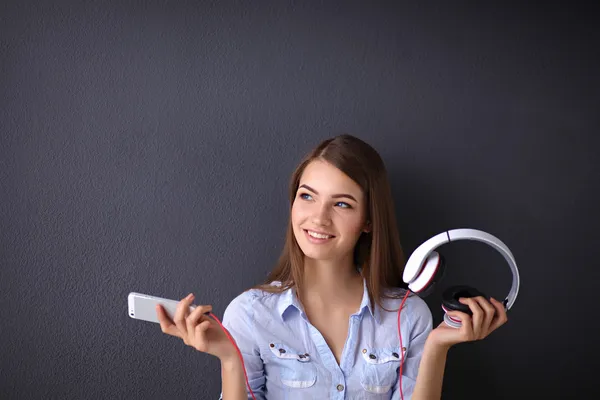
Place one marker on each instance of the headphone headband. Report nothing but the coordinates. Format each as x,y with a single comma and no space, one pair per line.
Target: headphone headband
415,262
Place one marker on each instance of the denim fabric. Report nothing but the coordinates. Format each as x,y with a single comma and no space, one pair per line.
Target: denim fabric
287,358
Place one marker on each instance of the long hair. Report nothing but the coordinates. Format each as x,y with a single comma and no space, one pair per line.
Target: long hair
378,253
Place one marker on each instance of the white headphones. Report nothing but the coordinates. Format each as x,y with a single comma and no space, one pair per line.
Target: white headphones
425,267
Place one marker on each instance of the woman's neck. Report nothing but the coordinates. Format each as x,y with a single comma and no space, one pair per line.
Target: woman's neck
331,283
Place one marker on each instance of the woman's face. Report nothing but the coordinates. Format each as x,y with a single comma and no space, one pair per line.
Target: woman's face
328,213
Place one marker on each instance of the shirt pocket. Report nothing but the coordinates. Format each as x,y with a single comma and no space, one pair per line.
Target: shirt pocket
296,368
380,368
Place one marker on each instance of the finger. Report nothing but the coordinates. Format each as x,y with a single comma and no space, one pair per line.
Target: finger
200,342
183,309
459,315
500,318
478,313
195,316
199,311
489,312
166,324
466,325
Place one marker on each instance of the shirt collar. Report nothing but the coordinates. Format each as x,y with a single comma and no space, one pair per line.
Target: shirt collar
373,309
288,299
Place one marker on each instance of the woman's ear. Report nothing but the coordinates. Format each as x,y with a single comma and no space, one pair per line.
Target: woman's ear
368,227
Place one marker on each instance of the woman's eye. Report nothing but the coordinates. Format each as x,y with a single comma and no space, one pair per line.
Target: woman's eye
306,196
345,205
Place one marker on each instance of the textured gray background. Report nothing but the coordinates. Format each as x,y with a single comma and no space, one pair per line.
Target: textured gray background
147,147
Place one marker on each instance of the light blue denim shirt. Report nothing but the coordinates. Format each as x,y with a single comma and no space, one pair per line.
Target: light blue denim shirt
286,357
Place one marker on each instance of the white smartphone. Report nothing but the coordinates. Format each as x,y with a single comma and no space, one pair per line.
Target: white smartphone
143,306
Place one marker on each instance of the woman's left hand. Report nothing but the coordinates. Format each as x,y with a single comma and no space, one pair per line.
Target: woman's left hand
487,317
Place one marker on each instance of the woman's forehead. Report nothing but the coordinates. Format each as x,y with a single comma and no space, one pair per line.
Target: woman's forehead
326,178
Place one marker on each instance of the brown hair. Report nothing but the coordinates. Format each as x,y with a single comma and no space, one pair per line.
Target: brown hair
377,252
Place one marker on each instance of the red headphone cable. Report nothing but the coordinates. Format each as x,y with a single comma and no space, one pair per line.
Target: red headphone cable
237,349
401,348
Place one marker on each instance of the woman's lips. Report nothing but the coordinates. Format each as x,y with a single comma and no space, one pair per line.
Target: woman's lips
315,240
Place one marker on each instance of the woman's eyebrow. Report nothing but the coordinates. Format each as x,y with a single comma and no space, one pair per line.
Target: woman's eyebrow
335,196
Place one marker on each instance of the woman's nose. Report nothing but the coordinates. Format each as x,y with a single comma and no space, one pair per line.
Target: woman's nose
321,216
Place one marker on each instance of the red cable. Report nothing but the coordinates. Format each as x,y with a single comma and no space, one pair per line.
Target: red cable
401,352
238,351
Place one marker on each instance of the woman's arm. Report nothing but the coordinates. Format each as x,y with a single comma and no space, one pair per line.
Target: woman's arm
206,334
238,319
487,317
431,372
233,380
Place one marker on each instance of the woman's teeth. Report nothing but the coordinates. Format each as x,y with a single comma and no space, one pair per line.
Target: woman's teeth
318,235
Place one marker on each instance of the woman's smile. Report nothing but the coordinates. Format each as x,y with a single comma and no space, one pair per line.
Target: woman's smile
317,238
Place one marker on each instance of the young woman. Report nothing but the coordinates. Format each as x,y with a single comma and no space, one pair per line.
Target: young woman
324,325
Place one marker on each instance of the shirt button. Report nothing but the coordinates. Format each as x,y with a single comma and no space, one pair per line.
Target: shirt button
340,388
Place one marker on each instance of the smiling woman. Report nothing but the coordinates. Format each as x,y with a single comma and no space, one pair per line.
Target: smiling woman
341,189
321,219
325,323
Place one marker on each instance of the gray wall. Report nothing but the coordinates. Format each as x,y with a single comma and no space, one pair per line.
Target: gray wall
147,147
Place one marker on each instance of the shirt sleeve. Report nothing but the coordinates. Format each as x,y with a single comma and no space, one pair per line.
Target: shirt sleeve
421,323
238,319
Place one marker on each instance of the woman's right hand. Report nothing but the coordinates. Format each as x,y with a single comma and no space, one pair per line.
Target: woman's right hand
196,329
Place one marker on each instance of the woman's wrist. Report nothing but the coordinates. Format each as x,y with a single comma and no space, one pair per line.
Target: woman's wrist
230,362
433,346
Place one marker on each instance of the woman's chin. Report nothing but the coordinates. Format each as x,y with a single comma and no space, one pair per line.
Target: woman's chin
316,255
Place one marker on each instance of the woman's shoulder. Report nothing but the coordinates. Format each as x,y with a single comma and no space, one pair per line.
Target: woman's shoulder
248,300
414,307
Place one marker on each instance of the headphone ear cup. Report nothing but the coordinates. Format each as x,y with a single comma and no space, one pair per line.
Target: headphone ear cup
438,276
451,295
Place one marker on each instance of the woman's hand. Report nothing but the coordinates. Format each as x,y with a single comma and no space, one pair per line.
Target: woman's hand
196,329
487,317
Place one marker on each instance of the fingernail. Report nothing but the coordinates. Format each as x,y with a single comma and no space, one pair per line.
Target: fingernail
189,296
